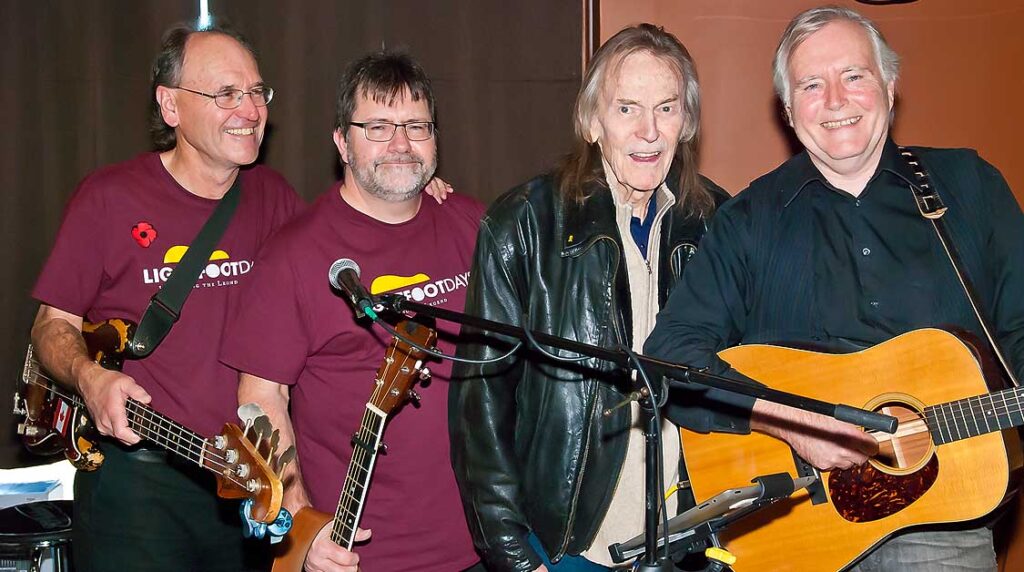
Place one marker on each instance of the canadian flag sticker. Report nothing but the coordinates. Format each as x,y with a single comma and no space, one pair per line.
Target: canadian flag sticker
60,418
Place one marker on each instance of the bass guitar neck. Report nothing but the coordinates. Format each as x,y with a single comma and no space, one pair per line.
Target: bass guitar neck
245,459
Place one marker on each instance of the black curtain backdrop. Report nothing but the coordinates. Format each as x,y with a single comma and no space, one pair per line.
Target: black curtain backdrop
75,96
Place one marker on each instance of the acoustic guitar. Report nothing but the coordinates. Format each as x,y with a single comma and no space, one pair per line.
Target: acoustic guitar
402,366
953,458
244,460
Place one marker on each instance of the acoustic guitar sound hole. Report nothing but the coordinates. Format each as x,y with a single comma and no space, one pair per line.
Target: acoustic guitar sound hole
905,468
910,447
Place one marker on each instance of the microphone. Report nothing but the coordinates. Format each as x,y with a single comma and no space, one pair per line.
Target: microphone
344,276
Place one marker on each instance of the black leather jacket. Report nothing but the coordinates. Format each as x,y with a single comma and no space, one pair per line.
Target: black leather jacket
530,447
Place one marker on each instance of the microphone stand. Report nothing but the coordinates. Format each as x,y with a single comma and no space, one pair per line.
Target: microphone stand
652,561
678,375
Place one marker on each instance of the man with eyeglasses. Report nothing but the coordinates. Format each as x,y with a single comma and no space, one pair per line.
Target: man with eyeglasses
298,344
122,234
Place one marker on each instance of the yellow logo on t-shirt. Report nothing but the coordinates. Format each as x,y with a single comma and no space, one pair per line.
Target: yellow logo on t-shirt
174,254
214,274
389,282
419,287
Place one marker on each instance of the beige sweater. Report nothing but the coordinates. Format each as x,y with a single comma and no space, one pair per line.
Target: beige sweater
625,516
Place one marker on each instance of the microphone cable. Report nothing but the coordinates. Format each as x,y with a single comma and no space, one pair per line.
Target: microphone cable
633,357
435,353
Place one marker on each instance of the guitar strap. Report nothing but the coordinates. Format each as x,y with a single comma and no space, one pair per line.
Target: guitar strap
165,306
931,207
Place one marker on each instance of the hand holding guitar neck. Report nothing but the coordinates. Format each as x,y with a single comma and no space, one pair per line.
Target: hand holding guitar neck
244,459
325,555
313,531
106,393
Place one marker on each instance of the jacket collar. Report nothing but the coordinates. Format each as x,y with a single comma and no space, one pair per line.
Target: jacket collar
595,218
799,171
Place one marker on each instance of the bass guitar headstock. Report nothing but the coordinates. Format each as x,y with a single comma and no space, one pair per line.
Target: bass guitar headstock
402,366
248,464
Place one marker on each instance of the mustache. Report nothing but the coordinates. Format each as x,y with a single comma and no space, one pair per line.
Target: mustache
398,158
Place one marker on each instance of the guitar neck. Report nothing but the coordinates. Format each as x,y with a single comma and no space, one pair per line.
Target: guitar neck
166,432
357,481
965,418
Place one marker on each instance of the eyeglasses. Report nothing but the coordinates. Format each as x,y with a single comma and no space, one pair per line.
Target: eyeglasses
232,98
381,131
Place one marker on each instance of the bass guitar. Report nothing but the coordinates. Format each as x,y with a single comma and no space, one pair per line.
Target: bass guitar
244,459
402,366
954,457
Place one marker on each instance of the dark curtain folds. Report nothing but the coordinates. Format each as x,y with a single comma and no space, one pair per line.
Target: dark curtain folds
75,96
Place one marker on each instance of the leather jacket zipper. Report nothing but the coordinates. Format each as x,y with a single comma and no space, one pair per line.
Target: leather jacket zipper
590,417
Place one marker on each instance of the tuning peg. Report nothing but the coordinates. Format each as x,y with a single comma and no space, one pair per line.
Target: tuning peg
287,457
263,423
383,447
424,374
414,396
250,411
275,437
242,470
262,428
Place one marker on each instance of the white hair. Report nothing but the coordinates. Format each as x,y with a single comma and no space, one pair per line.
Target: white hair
807,23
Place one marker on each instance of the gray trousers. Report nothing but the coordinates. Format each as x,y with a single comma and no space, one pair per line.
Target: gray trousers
933,551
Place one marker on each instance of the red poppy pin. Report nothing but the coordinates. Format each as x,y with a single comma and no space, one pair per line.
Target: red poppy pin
144,234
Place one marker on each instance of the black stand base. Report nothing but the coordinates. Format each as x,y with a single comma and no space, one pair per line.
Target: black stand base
661,565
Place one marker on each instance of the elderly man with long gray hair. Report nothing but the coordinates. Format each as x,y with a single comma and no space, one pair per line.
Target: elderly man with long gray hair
589,252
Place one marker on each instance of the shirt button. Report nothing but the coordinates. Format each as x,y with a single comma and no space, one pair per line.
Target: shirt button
866,251
856,202
874,303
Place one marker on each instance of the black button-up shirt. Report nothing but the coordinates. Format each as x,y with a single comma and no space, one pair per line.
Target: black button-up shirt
794,260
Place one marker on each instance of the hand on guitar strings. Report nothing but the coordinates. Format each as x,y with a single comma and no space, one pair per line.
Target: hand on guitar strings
106,392
820,440
326,556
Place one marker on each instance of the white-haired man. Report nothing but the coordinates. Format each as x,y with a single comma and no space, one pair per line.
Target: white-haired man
830,249
589,252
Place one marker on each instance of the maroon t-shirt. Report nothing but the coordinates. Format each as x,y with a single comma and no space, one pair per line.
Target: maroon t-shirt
288,326
124,231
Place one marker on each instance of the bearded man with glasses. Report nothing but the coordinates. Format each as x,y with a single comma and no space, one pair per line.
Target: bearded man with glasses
315,373
118,241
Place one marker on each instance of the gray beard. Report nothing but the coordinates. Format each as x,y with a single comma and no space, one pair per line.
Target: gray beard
368,179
